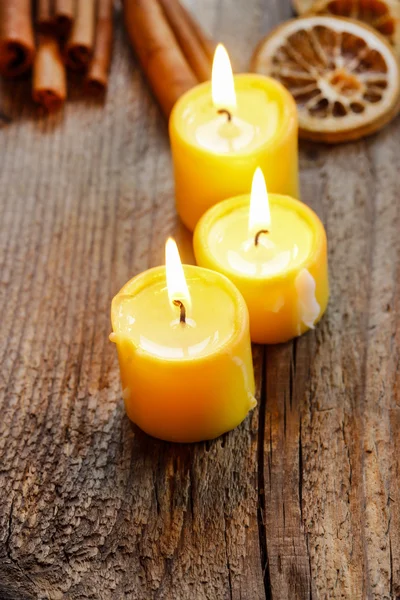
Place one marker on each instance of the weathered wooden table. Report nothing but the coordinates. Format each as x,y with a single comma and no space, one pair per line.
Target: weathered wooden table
301,501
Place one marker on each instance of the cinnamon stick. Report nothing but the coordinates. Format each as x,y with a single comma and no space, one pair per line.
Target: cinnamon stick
64,14
97,79
17,46
79,48
163,62
49,77
44,15
188,38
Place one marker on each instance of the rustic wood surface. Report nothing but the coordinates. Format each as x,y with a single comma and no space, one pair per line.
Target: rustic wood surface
300,502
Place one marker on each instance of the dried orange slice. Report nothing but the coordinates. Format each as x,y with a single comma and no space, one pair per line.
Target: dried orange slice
343,74
383,15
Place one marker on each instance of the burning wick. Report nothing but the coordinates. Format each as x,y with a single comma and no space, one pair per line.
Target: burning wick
225,111
182,318
257,238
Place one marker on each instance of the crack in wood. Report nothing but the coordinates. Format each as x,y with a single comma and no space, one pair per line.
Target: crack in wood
391,566
261,481
228,562
300,475
9,532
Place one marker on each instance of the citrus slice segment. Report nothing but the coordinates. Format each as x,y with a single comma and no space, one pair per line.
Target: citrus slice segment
342,73
383,15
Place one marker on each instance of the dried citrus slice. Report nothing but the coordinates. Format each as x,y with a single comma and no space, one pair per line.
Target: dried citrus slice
342,73
383,15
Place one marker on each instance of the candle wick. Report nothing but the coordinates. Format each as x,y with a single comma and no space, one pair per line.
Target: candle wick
258,235
225,111
182,318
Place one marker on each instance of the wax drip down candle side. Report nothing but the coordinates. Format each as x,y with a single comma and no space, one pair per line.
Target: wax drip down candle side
274,249
183,341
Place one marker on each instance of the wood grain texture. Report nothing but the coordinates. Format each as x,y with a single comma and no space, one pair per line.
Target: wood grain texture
300,502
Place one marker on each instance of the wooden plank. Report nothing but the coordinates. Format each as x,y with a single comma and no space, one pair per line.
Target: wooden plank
89,504
315,537
302,500
338,507
382,392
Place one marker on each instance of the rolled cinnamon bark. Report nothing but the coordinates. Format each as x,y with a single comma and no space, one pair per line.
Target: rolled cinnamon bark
64,15
49,77
187,38
44,15
79,47
97,79
17,46
163,62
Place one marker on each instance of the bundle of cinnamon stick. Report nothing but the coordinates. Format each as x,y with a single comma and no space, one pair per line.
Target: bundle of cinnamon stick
174,52
77,34
51,35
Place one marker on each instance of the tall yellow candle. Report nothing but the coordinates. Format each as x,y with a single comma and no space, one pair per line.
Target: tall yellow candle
183,341
221,131
275,251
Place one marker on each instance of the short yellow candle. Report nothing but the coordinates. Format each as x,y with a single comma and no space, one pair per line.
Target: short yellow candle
275,252
221,131
184,352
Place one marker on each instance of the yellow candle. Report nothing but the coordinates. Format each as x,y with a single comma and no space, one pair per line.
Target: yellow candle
221,131
275,251
184,351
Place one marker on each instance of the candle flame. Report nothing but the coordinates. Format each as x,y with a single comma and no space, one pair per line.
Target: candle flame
260,215
176,282
222,84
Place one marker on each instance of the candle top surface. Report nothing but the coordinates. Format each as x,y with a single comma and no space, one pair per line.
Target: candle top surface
287,245
260,114
147,318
